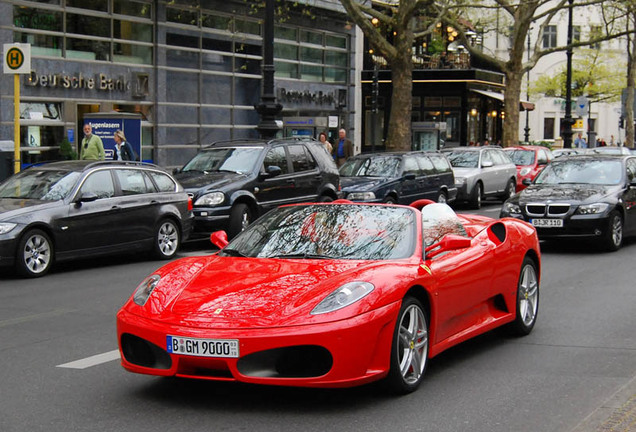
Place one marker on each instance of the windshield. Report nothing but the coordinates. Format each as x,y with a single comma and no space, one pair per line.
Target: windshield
45,185
464,159
583,171
371,167
329,232
234,159
521,157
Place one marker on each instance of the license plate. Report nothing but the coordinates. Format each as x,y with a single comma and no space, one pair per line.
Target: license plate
228,348
547,223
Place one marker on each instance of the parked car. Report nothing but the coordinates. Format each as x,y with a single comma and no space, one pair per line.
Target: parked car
334,295
612,150
234,182
398,177
482,172
76,209
570,152
530,160
586,196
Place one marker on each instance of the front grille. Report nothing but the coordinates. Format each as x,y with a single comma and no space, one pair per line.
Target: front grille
540,210
558,209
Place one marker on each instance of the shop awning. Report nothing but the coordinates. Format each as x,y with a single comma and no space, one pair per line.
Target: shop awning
523,105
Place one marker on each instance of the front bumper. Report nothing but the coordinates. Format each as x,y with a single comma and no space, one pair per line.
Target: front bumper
209,219
574,226
335,354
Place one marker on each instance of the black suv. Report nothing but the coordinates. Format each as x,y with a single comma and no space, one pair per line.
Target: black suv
398,177
234,182
78,209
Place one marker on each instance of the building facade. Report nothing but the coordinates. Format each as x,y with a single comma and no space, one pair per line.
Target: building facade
190,69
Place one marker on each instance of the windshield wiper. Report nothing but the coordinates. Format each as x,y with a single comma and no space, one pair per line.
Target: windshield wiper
300,255
233,253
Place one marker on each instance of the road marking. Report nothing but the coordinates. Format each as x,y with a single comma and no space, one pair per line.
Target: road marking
19,320
92,361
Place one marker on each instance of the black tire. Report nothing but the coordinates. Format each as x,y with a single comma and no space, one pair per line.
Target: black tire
510,190
167,239
409,350
475,196
390,200
613,238
527,298
240,218
325,199
35,254
441,197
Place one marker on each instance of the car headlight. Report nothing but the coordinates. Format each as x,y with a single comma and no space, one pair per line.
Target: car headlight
5,227
360,196
344,296
511,208
145,288
525,171
460,180
589,209
210,199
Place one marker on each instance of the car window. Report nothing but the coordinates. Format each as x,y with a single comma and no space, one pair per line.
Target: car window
276,157
464,159
521,157
441,163
133,182
225,159
499,157
163,181
47,185
301,159
411,166
486,157
631,169
99,183
426,165
542,157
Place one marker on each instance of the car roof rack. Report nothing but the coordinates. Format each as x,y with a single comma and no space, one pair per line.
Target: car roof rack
118,163
262,141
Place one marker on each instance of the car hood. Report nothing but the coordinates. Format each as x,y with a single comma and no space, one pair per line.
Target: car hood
11,207
224,292
350,184
564,192
195,180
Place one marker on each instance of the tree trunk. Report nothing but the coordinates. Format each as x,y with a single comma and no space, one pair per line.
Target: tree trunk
399,132
631,83
512,94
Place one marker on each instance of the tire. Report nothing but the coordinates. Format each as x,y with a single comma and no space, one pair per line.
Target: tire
390,200
409,350
475,196
527,298
613,239
240,218
511,189
167,240
441,197
325,199
34,255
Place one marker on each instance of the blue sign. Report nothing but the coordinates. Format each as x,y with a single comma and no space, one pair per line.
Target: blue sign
105,128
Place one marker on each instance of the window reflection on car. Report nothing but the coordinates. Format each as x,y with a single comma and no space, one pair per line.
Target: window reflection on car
224,159
45,185
594,172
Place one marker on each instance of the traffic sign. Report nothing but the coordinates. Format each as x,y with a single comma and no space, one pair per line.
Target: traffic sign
582,106
17,58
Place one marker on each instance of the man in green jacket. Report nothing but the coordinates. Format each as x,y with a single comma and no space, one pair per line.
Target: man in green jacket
92,146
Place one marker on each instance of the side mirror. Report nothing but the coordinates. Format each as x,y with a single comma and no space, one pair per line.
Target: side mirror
487,164
526,181
448,243
176,170
273,171
409,176
87,197
219,239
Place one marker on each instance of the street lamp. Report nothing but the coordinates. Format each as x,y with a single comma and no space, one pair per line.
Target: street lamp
568,121
527,128
268,108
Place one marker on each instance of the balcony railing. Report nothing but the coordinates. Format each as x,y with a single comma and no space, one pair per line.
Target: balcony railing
449,60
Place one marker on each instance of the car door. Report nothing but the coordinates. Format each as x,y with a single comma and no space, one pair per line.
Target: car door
272,191
138,205
429,180
93,216
410,183
629,197
305,172
488,170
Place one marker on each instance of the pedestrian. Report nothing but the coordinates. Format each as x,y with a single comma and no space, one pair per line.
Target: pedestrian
322,137
612,142
92,146
124,151
579,142
343,149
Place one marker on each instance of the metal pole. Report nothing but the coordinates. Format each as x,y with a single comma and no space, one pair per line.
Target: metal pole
268,108
527,128
568,121
16,124
374,105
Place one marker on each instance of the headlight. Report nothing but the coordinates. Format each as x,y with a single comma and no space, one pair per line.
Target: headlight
460,180
145,288
5,227
344,296
511,208
524,171
361,196
211,199
589,209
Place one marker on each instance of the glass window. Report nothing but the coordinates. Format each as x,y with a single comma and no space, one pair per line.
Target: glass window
39,19
286,33
285,70
311,73
133,8
336,41
216,22
335,75
411,166
182,16
285,51
247,91
245,48
548,128
301,159
550,36
486,157
312,55
132,182
132,31
98,5
163,181
249,27
99,183
182,58
86,49
247,66
130,53
87,25
441,163
311,37
41,45
276,157
425,164
336,58
184,38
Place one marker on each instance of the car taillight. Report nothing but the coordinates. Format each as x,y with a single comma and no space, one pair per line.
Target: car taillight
190,206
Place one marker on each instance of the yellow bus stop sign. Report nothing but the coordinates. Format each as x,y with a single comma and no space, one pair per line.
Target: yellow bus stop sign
17,58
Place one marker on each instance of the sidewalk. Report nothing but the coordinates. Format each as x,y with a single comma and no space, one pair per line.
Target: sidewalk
617,414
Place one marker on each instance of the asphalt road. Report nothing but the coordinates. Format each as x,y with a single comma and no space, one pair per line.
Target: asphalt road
574,373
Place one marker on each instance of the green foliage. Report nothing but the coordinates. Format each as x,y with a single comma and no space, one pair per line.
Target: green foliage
67,152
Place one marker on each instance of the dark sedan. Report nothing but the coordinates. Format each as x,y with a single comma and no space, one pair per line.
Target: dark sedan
398,177
587,196
78,209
